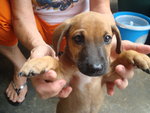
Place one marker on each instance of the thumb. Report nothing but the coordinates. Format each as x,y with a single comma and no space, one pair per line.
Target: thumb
51,89
125,73
49,76
65,92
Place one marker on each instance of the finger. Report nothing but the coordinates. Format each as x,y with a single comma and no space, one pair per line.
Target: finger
35,53
52,89
57,85
125,73
65,92
46,50
121,83
127,45
49,76
110,88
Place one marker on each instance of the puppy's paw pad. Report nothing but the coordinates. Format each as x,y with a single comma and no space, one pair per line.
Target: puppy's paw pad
142,62
33,67
27,73
30,71
38,66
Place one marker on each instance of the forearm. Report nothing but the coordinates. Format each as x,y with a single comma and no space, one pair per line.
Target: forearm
28,35
24,24
101,6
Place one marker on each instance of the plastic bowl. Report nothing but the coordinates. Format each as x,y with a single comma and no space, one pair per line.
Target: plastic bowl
133,26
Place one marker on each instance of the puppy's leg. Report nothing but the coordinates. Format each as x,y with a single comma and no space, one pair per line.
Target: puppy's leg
140,60
129,58
38,66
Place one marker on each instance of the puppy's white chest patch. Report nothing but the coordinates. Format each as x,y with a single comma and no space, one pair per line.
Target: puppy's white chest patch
83,80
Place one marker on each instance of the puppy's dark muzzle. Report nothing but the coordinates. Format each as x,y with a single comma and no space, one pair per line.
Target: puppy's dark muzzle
93,60
96,69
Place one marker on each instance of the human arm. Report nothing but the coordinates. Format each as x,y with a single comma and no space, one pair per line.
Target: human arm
101,6
24,25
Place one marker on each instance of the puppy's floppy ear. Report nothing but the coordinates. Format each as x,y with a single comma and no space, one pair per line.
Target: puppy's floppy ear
59,33
115,30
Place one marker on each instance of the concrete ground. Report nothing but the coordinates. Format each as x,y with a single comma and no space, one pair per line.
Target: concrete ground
134,99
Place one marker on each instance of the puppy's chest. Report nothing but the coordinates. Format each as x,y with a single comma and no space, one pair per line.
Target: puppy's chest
83,82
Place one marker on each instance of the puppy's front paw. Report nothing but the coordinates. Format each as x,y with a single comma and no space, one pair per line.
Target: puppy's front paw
37,66
140,60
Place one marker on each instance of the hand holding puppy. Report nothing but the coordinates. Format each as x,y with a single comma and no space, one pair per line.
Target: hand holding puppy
46,84
125,72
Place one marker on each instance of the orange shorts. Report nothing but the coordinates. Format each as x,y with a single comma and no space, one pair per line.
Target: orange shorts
7,36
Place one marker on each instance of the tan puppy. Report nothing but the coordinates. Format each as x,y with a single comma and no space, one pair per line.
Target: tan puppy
85,63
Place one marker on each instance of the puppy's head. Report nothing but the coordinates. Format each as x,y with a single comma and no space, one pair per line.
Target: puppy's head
88,37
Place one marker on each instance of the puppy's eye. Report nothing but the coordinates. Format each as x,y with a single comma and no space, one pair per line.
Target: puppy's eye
107,39
78,39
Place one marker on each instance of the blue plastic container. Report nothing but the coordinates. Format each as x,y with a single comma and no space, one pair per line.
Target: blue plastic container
133,26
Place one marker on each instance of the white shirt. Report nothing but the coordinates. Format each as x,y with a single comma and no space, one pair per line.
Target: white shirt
57,11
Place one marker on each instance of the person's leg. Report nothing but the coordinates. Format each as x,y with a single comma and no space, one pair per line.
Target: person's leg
8,40
8,47
14,54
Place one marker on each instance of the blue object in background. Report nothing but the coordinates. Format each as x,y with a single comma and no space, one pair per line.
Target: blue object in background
133,26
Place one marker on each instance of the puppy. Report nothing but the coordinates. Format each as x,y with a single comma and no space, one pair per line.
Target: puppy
85,63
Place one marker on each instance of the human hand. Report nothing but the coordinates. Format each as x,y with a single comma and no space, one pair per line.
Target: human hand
41,51
125,72
46,85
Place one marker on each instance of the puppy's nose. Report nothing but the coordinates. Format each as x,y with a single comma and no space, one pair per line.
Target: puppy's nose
97,67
